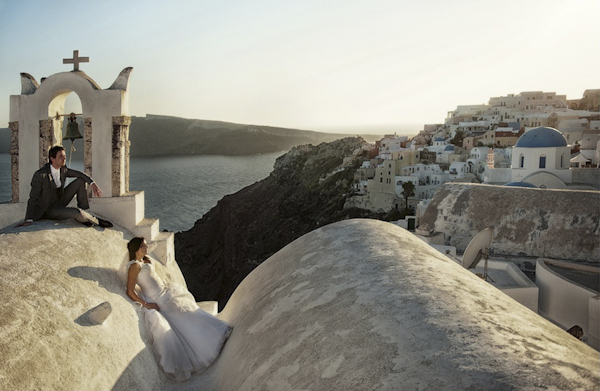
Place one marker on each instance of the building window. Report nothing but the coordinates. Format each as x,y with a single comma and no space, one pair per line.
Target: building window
562,158
522,161
543,161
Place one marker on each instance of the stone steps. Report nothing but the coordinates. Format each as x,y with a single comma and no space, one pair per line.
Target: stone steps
128,211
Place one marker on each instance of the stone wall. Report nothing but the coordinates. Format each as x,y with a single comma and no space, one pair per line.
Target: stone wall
589,176
560,224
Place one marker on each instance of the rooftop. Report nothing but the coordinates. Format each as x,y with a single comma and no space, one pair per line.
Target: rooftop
541,137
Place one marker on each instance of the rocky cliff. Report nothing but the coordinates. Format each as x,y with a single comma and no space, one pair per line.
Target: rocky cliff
306,190
561,224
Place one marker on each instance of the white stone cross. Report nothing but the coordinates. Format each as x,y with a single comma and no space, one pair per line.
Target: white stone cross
75,60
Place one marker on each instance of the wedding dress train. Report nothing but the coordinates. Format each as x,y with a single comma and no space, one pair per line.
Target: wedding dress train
185,338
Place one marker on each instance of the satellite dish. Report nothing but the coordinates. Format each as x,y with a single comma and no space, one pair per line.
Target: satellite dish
476,248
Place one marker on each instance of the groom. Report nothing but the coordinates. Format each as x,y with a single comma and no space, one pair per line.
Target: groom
49,196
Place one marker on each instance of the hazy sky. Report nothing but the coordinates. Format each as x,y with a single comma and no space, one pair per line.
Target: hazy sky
321,65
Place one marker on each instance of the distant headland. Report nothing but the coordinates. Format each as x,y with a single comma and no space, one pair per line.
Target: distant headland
154,135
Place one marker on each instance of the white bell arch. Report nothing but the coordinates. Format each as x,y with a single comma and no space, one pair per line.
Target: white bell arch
36,124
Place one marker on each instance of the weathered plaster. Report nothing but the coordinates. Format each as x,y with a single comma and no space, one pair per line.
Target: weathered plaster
120,155
14,160
363,304
87,149
359,304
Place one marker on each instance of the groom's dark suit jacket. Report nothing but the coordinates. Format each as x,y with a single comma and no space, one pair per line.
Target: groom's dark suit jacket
44,191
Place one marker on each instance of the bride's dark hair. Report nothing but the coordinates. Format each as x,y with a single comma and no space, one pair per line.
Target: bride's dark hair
134,245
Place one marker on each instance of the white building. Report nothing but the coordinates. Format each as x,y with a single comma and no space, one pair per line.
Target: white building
541,157
459,170
390,144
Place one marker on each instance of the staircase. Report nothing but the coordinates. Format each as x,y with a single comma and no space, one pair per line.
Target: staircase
128,212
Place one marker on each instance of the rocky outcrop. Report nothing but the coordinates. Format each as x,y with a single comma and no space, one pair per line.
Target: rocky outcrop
306,190
560,224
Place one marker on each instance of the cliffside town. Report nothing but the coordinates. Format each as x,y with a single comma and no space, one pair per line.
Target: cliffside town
312,186
480,144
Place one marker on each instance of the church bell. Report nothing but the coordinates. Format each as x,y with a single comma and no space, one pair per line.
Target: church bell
72,129
72,133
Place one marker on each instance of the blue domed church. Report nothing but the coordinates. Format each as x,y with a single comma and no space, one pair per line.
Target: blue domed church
541,157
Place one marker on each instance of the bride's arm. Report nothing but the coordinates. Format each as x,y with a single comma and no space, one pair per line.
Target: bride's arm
132,274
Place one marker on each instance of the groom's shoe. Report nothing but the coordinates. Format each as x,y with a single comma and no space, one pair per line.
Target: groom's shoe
104,223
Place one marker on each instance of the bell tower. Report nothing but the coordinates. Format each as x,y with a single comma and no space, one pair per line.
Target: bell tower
35,120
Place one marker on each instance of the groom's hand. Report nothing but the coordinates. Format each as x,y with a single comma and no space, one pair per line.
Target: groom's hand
96,190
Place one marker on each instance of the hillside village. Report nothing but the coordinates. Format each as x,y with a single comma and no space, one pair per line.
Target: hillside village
490,144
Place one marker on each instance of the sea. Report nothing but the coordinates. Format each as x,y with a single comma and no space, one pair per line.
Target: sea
179,190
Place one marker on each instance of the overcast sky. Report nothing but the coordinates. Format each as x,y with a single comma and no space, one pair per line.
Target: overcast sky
322,65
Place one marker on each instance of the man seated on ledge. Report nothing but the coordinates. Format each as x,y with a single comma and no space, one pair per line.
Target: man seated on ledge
49,197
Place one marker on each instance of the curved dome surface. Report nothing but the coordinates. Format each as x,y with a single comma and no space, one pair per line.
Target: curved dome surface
541,137
449,148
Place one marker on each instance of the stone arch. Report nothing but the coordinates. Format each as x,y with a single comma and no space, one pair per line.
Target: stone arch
61,119
35,127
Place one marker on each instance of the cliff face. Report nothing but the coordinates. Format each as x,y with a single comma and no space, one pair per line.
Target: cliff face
246,228
560,224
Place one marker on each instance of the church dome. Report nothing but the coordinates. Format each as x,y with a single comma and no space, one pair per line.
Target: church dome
541,137
449,148
520,184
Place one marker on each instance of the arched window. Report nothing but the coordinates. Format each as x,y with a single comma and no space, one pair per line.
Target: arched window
543,161
521,161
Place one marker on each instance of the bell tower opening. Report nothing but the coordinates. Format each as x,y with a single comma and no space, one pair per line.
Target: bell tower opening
72,130
66,112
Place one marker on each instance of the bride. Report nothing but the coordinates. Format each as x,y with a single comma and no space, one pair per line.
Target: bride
185,338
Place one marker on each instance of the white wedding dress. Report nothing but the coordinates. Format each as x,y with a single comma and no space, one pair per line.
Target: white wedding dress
185,338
